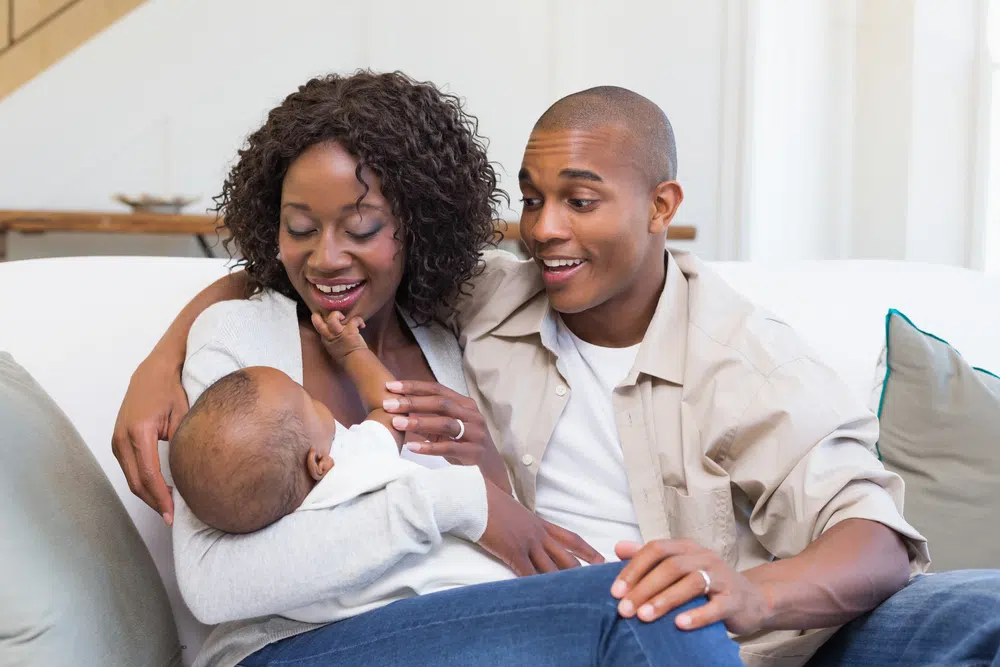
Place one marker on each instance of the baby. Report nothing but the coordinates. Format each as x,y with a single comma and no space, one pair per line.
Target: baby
255,443
256,446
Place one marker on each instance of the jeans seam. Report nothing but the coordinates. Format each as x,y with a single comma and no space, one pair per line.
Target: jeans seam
630,624
586,605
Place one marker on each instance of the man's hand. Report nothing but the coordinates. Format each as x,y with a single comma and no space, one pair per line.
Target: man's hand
665,574
526,544
152,408
340,336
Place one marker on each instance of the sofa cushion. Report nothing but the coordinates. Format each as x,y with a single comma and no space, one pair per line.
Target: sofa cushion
940,430
77,585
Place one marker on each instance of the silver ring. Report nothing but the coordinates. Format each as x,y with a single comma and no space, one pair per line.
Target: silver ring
461,430
708,581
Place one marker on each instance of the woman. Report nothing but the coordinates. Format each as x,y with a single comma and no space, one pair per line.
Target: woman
372,195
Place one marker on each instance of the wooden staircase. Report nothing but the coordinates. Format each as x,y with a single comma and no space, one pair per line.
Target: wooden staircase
35,34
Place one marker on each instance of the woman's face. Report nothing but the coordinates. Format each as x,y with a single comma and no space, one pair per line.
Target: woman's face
339,255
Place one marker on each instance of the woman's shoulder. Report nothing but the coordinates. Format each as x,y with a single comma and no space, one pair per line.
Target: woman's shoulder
265,316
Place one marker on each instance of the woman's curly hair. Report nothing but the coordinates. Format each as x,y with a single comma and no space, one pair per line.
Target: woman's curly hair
422,145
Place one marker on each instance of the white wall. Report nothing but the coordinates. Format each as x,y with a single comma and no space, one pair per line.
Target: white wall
161,100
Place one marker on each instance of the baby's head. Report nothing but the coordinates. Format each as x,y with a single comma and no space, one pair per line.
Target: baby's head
250,449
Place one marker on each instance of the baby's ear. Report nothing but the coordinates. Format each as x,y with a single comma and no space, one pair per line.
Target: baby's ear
318,464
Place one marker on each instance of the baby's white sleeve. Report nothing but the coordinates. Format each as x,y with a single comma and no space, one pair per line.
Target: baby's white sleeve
365,460
369,439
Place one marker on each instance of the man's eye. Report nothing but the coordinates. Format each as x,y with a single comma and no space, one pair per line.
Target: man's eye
581,203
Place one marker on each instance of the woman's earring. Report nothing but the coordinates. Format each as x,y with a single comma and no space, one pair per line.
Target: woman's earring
278,256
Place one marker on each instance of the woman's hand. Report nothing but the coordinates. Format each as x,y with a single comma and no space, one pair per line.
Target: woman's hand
434,411
665,574
529,545
152,408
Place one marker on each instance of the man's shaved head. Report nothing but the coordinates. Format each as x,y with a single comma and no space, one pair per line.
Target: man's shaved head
644,123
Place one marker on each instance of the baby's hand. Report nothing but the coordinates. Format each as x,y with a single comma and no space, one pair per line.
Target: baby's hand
340,337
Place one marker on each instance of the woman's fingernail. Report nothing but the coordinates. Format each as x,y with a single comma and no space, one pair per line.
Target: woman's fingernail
625,608
390,404
646,612
400,422
618,588
167,518
684,621
414,447
394,386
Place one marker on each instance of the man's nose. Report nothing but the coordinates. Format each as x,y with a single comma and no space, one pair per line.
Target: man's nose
549,224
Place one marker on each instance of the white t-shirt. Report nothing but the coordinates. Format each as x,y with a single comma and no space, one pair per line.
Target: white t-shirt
581,483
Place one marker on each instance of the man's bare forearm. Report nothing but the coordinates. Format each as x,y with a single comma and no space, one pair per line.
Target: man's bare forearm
172,346
848,571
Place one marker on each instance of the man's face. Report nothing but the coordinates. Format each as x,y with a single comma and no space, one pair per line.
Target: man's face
587,215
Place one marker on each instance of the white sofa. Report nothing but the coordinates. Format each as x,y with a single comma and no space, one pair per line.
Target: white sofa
81,325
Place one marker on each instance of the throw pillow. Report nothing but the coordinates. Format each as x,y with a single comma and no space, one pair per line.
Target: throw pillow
940,430
77,585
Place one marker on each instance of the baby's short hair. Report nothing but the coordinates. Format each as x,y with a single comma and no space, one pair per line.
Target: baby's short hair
239,465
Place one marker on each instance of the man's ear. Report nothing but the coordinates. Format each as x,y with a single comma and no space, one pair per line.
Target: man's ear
318,464
667,198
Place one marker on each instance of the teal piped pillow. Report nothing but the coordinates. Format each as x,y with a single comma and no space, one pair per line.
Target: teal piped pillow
939,422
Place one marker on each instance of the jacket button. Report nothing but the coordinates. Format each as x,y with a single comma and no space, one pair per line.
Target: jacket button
527,459
560,390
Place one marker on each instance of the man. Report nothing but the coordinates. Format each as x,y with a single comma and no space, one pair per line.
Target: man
642,403
645,405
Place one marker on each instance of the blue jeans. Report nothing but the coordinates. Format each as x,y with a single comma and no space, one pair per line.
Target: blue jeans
950,618
554,620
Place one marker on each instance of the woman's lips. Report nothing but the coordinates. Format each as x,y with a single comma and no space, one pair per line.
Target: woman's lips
341,300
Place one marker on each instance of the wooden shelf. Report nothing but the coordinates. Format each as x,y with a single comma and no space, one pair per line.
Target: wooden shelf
40,222
674,232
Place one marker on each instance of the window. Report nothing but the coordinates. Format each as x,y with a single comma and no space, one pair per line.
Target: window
992,240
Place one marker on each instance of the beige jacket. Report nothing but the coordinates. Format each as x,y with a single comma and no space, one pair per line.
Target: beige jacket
734,434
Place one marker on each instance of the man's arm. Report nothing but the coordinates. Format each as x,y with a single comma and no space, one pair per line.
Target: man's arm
848,571
831,514
155,403
171,347
822,505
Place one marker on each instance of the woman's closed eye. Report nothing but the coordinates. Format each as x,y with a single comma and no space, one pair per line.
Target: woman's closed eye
364,235
299,229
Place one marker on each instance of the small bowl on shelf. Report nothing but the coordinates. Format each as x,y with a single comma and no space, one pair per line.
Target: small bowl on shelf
151,204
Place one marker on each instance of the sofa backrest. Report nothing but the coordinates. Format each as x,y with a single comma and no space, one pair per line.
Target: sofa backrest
840,308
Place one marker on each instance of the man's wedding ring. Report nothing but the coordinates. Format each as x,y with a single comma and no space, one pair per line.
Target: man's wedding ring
461,430
708,581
